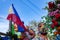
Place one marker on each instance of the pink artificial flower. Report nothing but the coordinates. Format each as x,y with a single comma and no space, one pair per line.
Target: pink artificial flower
56,11
53,13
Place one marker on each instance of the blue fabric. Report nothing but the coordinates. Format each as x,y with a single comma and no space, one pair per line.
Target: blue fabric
4,38
20,29
15,11
58,37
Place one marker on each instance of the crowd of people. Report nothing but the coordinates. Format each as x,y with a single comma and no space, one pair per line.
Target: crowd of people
31,35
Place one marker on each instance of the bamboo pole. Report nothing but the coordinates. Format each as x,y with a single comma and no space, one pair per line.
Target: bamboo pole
10,29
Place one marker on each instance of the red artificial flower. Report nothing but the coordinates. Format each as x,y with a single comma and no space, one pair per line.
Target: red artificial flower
52,26
54,22
51,5
57,16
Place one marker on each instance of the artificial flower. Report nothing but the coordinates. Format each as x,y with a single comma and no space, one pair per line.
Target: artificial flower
54,22
58,28
51,5
55,33
52,26
53,13
57,16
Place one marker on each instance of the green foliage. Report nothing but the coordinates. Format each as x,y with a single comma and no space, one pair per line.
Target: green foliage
33,23
48,23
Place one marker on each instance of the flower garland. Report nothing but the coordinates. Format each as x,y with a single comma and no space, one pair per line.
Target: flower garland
55,15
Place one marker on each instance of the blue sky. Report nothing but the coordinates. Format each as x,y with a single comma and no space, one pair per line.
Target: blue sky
27,9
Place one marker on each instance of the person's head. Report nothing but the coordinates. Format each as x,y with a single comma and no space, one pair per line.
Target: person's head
32,33
23,35
39,34
43,31
27,28
41,25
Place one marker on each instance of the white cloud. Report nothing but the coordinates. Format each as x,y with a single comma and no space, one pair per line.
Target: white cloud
4,25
